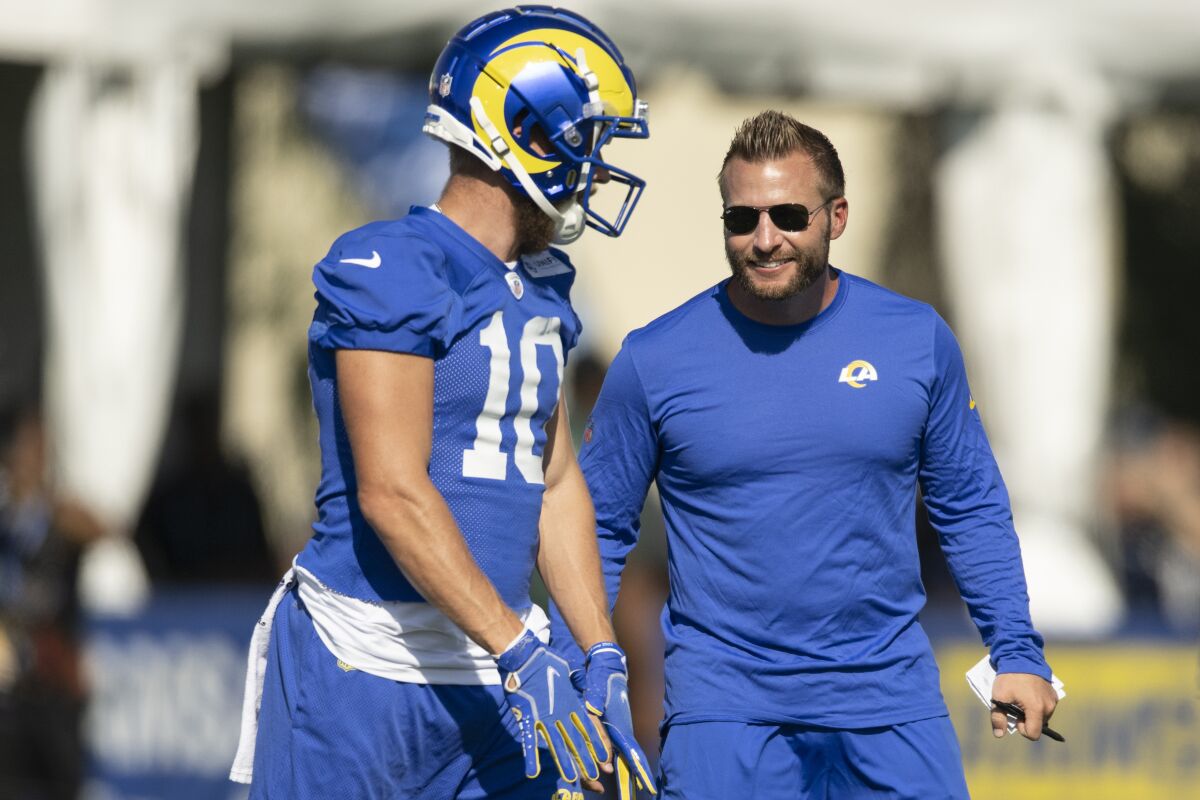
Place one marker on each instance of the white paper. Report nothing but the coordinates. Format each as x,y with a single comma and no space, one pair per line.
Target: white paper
981,677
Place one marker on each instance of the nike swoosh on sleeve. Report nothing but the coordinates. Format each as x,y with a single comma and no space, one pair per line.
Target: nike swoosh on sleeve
370,263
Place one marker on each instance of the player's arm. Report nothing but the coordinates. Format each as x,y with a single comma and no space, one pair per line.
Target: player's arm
568,558
618,460
387,405
569,562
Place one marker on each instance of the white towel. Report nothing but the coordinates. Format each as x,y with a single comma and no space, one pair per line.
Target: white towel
256,668
401,641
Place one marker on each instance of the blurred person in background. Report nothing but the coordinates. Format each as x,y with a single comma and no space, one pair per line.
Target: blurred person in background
42,692
788,415
402,656
1153,477
202,522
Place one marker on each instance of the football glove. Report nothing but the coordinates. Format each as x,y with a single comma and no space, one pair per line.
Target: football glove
538,689
606,694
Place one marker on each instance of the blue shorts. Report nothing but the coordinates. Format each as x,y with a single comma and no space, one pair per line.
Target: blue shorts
720,760
324,731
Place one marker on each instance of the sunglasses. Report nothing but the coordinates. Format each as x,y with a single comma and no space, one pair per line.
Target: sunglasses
789,217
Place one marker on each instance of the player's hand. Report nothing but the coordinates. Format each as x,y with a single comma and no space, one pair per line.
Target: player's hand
606,694
538,689
596,786
1033,694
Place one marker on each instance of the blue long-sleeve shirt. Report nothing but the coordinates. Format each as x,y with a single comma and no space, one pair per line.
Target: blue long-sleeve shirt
788,460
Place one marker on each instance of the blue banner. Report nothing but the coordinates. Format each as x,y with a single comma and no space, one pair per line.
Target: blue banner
166,694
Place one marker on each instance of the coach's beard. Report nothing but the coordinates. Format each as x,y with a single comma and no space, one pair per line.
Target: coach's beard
810,265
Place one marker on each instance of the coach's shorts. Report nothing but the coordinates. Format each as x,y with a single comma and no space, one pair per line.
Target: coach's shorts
328,731
722,760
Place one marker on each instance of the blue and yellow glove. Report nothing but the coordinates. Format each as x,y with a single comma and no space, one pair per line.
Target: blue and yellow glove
606,694
537,686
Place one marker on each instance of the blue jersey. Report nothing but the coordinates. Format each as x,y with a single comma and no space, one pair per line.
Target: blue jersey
788,460
498,338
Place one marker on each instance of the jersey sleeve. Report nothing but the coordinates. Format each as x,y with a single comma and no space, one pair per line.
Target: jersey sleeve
402,304
969,508
619,457
572,329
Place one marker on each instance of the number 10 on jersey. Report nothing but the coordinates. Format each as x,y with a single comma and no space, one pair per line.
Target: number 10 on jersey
485,459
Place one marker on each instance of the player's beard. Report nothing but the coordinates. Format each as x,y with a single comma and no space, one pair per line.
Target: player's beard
810,265
535,230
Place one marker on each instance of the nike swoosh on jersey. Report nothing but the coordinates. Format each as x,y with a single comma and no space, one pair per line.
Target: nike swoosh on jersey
370,263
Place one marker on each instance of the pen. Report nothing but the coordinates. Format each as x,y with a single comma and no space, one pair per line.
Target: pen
1018,713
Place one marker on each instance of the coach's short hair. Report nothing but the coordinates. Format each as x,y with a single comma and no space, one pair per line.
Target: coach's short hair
772,135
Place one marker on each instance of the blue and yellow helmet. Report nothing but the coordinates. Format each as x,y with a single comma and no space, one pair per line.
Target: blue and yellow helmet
511,74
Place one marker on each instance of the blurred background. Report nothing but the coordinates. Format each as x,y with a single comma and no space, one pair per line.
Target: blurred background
170,172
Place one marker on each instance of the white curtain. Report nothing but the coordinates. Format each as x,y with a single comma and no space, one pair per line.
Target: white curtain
113,150
1025,211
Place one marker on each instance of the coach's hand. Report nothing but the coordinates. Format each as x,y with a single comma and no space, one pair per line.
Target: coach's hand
538,688
606,694
1033,694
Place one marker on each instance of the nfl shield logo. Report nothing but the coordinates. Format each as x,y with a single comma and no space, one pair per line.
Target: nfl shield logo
514,283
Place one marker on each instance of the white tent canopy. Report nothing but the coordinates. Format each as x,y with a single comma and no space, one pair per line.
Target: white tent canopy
902,54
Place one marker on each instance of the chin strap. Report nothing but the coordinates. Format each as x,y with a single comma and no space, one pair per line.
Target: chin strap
569,222
493,151
441,124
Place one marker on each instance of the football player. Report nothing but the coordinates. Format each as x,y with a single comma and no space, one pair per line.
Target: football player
402,657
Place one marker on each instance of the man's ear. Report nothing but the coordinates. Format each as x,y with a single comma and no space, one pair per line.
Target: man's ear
839,215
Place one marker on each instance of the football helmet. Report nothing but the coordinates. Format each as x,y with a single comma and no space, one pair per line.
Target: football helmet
546,73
